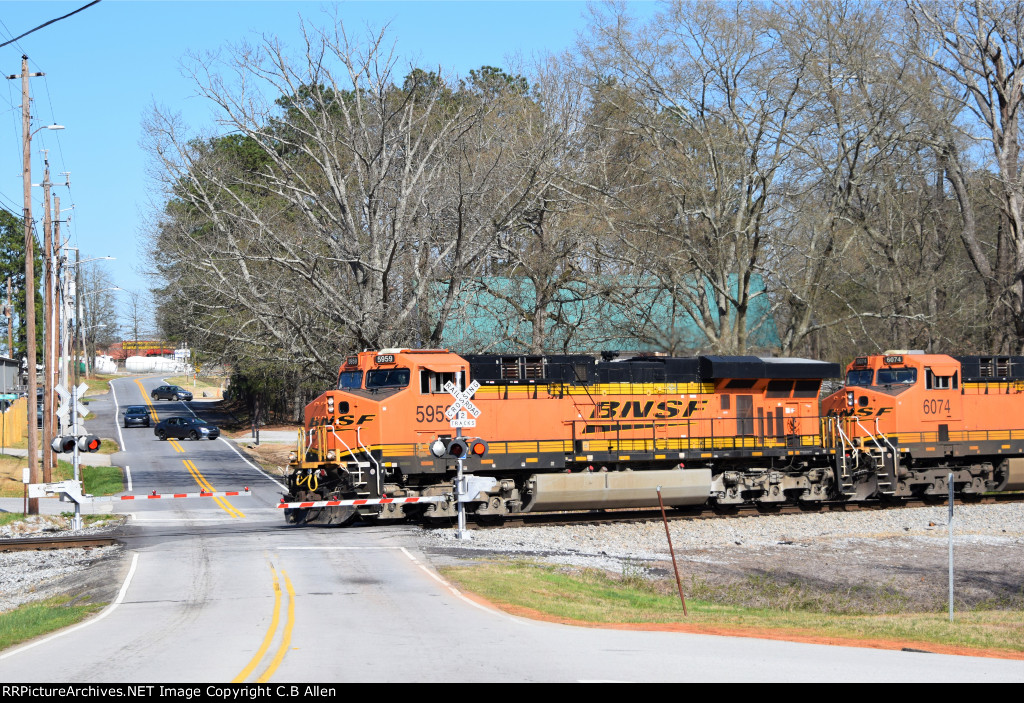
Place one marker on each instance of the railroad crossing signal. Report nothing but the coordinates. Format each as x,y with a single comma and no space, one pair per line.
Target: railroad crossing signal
67,443
459,447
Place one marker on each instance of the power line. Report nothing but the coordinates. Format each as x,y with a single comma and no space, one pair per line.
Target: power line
49,23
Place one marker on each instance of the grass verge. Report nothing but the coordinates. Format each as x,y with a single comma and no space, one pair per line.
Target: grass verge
35,619
590,596
99,480
98,384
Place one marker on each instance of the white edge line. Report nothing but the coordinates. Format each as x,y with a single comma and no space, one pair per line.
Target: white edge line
456,592
117,410
106,611
242,457
128,471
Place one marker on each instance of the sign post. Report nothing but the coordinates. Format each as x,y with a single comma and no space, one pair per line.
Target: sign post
458,417
69,412
949,522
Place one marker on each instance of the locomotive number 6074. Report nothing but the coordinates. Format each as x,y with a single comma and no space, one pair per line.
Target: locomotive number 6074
936,407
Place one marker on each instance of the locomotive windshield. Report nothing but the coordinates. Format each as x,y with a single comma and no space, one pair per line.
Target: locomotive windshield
897,376
859,377
387,378
350,379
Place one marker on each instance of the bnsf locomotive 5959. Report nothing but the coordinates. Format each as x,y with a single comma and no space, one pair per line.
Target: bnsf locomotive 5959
568,432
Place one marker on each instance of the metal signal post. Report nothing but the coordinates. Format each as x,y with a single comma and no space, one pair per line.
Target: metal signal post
458,418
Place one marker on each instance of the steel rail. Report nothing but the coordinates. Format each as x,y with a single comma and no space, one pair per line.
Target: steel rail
22,544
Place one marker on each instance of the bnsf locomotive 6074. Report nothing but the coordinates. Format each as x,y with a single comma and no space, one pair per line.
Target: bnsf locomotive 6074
569,432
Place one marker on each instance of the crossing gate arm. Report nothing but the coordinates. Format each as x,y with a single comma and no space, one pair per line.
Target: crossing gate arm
71,491
364,501
202,494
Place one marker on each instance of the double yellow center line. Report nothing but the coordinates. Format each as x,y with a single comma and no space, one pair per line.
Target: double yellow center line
286,637
206,486
145,396
200,479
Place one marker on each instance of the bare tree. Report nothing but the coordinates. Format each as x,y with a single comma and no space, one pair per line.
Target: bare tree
99,310
977,50
715,102
316,225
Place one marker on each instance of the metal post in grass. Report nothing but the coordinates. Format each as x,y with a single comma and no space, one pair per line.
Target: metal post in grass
671,551
949,522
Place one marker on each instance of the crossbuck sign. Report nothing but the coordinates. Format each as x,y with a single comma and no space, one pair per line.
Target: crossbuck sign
458,412
69,405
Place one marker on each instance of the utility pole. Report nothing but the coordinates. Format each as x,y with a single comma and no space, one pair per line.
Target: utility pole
79,327
30,284
10,321
48,328
60,370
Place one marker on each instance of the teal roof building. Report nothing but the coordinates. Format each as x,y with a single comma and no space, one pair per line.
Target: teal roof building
495,315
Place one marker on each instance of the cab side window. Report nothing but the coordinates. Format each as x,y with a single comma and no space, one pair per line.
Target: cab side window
433,381
935,382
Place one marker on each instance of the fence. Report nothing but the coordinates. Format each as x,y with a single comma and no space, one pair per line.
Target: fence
13,426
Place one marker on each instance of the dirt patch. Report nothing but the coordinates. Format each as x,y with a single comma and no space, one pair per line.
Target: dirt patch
272,457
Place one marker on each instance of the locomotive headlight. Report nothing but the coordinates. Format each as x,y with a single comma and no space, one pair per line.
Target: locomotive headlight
849,398
330,404
292,457
330,455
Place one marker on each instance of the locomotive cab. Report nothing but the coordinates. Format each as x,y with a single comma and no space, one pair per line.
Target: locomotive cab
895,392
341,453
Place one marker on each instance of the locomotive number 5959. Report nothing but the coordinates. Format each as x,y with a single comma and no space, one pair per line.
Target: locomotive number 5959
430,413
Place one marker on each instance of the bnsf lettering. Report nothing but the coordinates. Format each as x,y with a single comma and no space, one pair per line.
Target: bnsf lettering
864,412
638,409
346,420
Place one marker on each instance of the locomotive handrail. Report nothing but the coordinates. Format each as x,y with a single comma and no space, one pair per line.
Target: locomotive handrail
887,441
844,438
369,454
355,459
868,433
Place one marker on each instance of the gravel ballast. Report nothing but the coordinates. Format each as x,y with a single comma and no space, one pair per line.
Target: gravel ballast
27,576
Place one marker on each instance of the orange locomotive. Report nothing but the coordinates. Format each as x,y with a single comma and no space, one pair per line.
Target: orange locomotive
906,420
560,432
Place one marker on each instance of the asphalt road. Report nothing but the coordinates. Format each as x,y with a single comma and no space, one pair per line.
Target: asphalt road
223,590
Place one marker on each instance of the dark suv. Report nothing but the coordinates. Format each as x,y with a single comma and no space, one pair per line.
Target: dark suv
171,393
136,416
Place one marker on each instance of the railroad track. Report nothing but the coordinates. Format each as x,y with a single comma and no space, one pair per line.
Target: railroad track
589,517
42,543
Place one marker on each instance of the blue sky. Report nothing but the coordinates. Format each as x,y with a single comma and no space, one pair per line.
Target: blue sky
107,65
